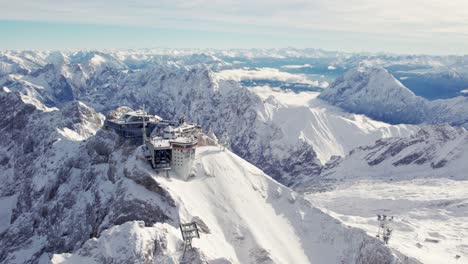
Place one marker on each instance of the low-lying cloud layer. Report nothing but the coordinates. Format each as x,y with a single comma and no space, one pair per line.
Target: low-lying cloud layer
297,66
249,74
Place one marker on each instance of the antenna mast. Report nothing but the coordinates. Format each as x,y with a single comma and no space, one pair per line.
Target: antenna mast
144,125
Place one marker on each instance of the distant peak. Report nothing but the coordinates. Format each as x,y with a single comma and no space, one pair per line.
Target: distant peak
375,92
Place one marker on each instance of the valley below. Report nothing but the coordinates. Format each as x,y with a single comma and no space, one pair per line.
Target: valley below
430,215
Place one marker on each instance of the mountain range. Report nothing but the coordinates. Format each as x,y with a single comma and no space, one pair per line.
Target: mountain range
72,192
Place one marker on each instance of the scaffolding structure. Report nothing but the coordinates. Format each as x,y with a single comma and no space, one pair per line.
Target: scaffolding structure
189,231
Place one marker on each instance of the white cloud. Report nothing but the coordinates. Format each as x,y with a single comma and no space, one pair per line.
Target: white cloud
464,91
297,66
331,68
400,16
248,74
428,21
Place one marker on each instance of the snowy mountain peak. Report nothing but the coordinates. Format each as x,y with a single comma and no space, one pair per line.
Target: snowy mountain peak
375,92
367,79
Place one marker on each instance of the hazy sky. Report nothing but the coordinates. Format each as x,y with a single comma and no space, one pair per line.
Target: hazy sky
401,26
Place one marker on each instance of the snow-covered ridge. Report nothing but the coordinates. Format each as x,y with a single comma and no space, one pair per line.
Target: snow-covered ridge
431,76
245,217
376,93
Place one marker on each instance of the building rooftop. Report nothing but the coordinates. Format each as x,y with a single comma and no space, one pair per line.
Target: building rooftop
136,116
160,142
184,140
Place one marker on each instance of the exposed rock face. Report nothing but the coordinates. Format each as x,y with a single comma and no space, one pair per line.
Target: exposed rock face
67,178
377,94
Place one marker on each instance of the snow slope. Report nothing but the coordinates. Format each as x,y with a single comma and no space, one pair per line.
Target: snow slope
329,130
245,217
